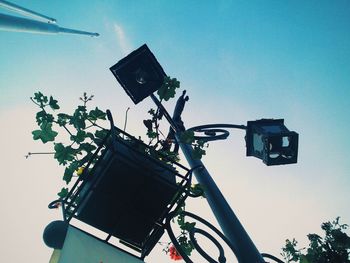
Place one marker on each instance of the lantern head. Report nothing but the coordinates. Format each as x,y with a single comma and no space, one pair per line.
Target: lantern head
271,141
139,73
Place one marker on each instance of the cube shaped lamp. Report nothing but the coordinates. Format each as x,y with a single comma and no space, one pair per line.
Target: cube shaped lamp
271,141
139,73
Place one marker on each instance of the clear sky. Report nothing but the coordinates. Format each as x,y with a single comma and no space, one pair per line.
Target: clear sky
238,60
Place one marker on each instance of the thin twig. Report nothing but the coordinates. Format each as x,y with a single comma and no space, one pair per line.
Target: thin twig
31,98
64,126
126,118
30,153
95,125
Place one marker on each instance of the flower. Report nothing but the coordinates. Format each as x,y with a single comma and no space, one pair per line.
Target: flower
80,170
174,254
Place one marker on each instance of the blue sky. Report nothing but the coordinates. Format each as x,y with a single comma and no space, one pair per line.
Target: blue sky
238,60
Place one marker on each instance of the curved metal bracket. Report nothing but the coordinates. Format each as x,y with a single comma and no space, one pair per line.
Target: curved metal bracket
221,258
265,255
211,131
192,232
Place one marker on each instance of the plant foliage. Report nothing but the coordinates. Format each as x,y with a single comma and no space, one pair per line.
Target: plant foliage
85,133
334,247
81,126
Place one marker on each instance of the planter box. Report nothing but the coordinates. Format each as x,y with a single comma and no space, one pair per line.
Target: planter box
127,194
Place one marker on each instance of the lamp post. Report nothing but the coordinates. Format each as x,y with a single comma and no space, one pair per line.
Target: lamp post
140,75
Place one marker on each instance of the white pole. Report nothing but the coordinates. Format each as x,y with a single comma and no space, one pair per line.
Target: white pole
14,23
25,11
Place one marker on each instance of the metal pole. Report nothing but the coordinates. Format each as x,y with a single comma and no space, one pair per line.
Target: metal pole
245,250
14,23
24,11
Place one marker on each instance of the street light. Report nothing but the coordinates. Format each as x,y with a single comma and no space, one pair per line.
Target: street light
266,139
140,75
271,141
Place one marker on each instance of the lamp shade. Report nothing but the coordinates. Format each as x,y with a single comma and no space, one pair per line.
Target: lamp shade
139,73
271,141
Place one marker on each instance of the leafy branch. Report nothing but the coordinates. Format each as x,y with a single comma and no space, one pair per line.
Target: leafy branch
334,247
81,126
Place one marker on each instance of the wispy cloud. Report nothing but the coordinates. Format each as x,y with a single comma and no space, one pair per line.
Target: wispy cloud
123,41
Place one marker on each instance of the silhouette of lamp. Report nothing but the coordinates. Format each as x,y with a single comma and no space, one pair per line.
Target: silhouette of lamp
271,141
139,73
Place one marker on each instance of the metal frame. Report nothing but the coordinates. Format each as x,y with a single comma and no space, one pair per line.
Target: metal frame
69,203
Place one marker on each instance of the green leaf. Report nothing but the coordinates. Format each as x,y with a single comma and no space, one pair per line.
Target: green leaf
64,154
90,135
200,143
187,137
40,98
149,124
79,117
197,189
97,114
79,137
185,244
100,135
181,220
69,171
167,90
62,119
303,259
197,153
151,134
171,156
37,96
188,226
63,193
53,103
42,116
87,147
45,134
68,174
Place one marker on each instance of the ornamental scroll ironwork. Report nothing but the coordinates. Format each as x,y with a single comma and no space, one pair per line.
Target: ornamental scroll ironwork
192,233
213,132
